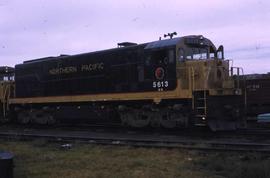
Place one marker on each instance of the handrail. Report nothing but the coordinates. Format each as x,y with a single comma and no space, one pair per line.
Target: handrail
192,84
5,98
192,77
230,60
239,71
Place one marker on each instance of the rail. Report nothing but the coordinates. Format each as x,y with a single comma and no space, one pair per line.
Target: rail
186,140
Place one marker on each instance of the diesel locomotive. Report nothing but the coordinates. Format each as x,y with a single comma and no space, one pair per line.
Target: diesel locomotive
170,83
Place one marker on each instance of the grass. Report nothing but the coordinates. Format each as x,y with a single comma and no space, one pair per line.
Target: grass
237,165
40,159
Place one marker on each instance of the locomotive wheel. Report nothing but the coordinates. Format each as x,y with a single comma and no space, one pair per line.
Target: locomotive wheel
171,120
51,119
124,118
38,117
43,118
167,121
155,120
136,119
24,117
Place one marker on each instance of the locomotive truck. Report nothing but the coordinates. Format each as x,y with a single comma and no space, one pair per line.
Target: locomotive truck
170,83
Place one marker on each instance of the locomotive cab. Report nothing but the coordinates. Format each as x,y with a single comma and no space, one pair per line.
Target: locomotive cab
203,70
209,69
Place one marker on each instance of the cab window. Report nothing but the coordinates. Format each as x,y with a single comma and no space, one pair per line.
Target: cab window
171,56
193,54
181,55
163,56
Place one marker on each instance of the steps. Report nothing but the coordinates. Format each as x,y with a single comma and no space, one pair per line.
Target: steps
200,107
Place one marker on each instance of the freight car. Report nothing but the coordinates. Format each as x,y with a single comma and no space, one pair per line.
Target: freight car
257,94
178,82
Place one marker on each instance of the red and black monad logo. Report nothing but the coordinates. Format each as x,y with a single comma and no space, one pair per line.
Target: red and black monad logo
159,73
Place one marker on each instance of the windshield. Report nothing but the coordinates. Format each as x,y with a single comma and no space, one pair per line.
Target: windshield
193,54
196,53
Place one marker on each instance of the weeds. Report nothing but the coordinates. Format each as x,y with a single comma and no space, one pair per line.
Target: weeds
41,159
251,165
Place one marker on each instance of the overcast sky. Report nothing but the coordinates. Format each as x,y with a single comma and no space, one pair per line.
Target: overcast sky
32,29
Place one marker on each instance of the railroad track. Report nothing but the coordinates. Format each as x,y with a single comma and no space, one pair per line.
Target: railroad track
139,139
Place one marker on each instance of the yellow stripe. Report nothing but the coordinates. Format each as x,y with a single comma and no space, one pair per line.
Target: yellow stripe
155,96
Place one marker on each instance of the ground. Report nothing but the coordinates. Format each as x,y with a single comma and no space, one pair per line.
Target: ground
39,159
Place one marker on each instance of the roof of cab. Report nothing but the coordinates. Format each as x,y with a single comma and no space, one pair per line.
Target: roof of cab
175,41
163,43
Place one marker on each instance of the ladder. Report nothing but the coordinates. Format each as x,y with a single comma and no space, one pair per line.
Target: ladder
200,107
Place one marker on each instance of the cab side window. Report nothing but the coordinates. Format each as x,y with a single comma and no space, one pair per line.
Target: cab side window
158,57
171,56
181,55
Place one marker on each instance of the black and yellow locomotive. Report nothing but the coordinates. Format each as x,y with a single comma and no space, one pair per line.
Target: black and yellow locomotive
178,82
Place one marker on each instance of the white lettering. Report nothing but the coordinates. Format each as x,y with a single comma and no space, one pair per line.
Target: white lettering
160,85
